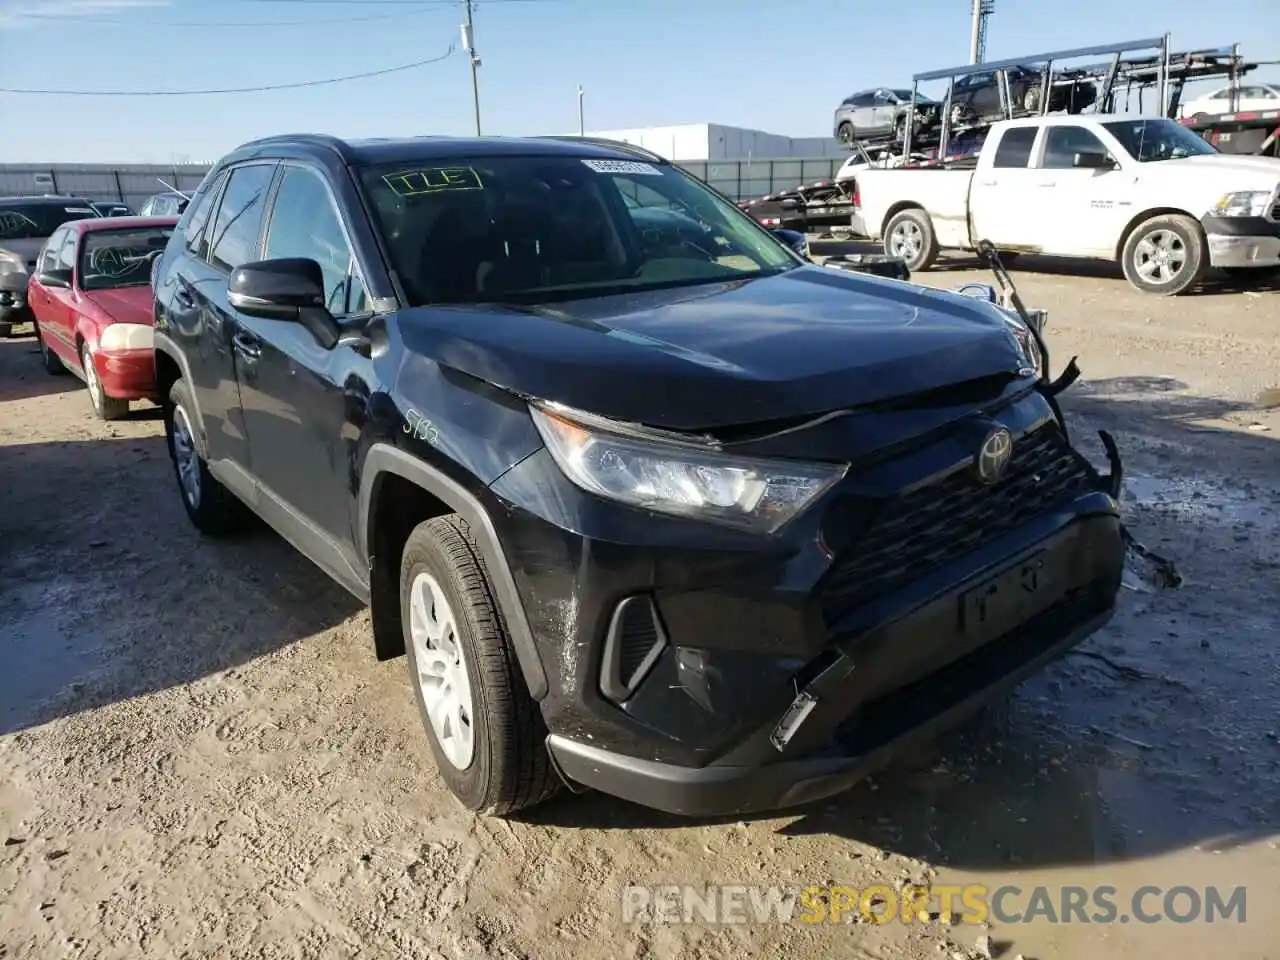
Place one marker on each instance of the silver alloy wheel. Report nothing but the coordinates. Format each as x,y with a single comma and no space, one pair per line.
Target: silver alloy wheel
1160,256
91,378
907,240
442,670
185,457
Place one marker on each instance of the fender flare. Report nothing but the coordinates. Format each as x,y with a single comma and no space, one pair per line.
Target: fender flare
164,344
383,458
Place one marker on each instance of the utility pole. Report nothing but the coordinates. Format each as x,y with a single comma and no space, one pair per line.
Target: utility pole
469,47
582,127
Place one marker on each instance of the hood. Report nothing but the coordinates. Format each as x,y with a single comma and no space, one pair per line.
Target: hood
124,304
804,342
1264,171
28,250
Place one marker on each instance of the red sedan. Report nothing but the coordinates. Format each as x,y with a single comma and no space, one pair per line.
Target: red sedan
91,297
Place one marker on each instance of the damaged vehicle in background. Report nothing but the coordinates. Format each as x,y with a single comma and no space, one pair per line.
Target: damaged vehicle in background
25,224
882,114
712,530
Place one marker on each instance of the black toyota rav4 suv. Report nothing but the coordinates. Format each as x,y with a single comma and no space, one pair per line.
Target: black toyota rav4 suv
700,525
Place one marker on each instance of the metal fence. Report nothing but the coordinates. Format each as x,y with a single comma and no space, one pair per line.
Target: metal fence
748,179
127,183
133,183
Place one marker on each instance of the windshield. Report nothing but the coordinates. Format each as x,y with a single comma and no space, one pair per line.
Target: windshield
906,95
36,221
120,258
1152,140
538,229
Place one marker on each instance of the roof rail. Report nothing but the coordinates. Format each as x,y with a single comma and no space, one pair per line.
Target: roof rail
333,143
620,145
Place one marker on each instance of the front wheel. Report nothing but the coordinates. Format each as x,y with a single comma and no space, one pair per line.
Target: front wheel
844,134
104,407
909,235
486,731
1166,255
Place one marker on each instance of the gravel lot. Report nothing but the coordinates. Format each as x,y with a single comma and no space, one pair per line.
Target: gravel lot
199,756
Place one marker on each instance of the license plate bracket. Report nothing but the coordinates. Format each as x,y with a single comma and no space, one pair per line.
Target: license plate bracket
1014,595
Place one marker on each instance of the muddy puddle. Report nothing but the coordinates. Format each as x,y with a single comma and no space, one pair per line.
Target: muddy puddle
1206,500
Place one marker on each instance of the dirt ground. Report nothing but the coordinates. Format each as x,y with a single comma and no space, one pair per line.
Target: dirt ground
199,756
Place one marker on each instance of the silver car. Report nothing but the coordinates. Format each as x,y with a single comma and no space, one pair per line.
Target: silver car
881,114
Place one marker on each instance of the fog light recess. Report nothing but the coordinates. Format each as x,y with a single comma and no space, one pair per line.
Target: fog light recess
635,640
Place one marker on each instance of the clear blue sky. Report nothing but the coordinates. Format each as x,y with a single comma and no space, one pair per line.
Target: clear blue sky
642,63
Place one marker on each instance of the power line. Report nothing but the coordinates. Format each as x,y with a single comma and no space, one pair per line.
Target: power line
198,93
397,14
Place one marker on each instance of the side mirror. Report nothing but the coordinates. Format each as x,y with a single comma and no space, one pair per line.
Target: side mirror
55,278
290,289
790,203
794,239
1092,160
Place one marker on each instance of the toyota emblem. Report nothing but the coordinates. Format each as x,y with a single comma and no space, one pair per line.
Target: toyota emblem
993,456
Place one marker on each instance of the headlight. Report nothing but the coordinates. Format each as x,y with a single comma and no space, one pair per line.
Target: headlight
11,263
127,336
603,458
1028,345
1245,203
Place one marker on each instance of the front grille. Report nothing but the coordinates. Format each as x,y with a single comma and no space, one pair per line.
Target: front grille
910,535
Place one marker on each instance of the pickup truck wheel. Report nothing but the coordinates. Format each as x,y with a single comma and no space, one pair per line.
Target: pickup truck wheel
844,134
212,509
1165,255
909,235
486,732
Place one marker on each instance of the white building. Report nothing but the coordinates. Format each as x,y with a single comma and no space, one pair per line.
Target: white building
714,141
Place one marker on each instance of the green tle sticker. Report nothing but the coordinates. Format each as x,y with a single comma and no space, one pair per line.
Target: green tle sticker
421,183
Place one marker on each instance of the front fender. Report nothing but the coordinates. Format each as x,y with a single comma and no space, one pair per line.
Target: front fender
383,459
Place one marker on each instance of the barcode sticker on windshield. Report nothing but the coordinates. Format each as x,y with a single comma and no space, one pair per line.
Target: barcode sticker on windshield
623,166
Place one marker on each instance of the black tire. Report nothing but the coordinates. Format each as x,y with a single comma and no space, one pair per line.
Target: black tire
844,134
509,768
1177,237
104,407
6,330
909,235
212,509
51,362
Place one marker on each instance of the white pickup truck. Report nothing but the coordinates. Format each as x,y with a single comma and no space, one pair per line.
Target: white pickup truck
1143,191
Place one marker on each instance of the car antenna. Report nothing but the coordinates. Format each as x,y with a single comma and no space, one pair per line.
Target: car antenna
182,193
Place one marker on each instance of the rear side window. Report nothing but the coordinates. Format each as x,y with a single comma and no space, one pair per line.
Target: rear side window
1014,149
193,231
234,239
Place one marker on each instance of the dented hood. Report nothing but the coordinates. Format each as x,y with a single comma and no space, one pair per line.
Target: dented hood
803,342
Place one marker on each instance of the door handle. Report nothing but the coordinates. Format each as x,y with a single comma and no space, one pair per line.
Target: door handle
1048,183
247,346
988,183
